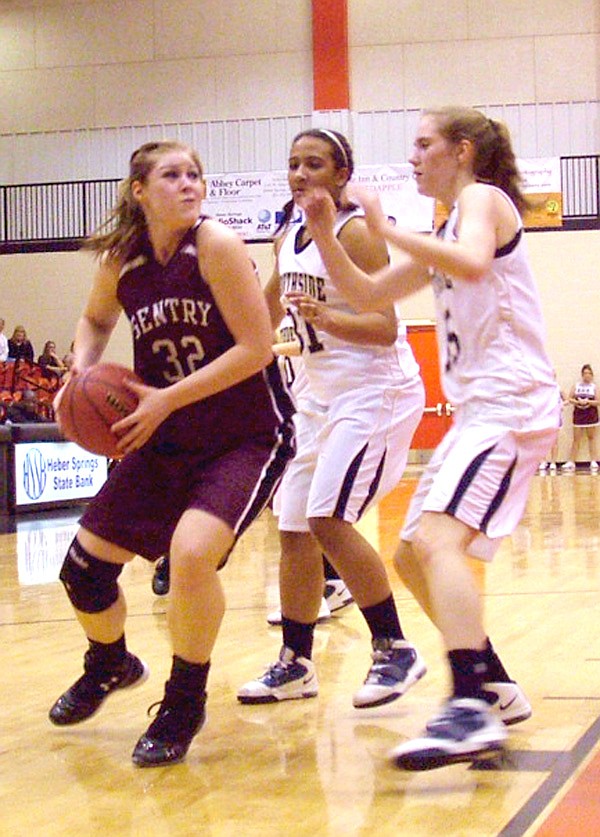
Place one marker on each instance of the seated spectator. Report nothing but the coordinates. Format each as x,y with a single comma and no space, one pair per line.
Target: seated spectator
52,366
24,411
19,347
69,357
3,343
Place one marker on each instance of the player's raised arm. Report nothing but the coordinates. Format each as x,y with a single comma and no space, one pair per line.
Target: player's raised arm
366,292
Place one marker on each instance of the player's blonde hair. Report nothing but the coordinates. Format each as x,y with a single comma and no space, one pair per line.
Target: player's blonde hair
126,224
494,161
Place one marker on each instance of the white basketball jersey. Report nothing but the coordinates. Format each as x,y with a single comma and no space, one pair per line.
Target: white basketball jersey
335,366
585,391
490,331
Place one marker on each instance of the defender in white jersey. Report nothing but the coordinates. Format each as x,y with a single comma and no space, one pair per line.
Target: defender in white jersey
496,371
308,420
367,398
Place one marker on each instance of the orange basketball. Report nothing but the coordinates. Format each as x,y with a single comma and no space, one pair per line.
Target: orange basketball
92,402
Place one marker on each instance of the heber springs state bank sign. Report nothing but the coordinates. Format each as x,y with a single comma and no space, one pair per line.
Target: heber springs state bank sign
54,472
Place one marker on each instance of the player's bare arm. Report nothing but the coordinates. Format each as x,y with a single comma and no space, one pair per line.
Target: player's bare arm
377,328
272,292
363,291
99,317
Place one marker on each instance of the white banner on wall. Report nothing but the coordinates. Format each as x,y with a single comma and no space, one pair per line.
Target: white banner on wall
540,175
50,472
252,203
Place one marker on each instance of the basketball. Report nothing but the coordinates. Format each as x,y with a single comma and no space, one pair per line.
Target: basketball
92,402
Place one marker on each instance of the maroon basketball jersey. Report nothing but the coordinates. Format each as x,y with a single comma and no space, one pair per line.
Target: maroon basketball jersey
177,328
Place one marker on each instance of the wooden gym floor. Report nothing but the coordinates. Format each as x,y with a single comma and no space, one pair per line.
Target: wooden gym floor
311,767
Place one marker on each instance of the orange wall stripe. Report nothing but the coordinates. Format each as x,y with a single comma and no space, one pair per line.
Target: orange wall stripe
331,86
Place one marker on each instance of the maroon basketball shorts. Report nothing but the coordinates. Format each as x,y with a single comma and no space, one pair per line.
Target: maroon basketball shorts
140,504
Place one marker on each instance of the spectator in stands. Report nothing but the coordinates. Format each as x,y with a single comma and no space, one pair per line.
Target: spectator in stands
3,343
19,347
24,411
52,366
69,357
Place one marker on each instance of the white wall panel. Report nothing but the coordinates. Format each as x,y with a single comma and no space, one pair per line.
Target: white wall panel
377,77
228,27
94,33
378,136
493,19
384,137
567,67
373,22
17,39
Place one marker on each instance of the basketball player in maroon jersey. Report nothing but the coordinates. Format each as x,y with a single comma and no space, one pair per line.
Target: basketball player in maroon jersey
204,450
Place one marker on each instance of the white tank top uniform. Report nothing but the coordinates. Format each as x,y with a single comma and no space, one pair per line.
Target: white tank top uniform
365,404
496,371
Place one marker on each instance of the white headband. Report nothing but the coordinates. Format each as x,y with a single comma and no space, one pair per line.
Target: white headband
337,142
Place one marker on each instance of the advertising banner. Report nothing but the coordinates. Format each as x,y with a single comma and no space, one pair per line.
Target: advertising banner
54,472
541,184
252,203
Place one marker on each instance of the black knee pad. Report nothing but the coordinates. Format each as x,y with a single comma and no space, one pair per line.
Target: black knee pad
91,584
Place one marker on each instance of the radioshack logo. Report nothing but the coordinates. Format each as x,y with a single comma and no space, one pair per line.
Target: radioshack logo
34,474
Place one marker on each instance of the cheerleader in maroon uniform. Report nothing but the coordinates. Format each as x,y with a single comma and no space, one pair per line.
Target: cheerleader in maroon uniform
584,398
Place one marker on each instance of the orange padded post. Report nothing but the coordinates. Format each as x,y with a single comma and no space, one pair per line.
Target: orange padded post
331,86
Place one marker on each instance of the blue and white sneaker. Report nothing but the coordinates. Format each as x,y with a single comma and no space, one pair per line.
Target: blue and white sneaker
397,665
466,730
290,678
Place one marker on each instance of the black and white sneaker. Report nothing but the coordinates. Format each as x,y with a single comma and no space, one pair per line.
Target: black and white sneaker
85,697
166,741
290,678
275,617
397,665
508,701
161,578
466,730
336,595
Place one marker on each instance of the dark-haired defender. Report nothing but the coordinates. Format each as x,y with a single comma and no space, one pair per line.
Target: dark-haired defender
363,403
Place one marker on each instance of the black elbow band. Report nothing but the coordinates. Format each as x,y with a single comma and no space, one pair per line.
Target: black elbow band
91,584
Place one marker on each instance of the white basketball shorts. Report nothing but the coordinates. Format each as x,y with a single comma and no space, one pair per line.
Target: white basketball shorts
349,455
481,471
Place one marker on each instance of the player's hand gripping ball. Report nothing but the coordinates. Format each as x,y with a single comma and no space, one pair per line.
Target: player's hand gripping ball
90,403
